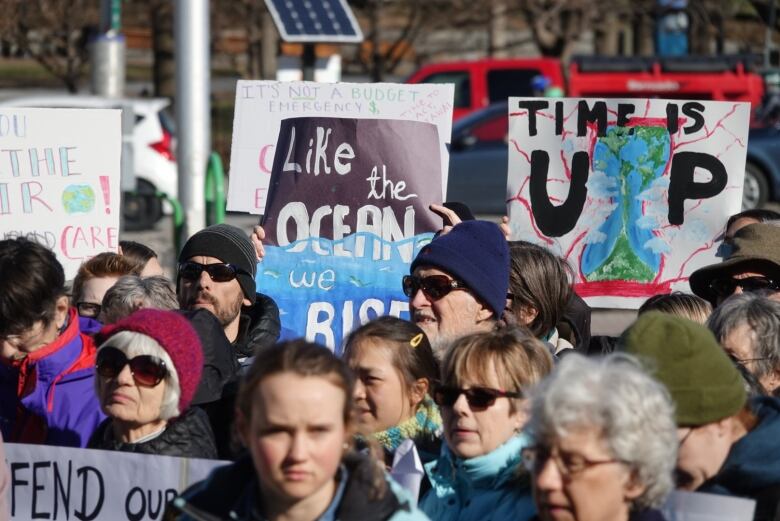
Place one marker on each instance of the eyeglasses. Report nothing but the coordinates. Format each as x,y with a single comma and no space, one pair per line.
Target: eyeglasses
745,361
568,464
88,309
685,438
476,397
726,287
435,287
220,272
147,370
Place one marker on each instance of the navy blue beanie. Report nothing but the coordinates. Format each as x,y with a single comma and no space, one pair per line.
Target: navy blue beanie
475,252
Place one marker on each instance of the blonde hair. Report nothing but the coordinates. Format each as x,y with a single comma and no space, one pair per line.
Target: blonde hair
520,360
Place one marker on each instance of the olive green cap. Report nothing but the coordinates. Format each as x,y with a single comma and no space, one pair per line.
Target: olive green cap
685,356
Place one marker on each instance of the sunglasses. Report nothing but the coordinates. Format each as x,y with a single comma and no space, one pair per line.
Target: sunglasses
726,287
147,370
88,309
477,397
220,272
434,287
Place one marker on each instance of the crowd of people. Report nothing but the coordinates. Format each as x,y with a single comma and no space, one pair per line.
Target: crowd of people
514,409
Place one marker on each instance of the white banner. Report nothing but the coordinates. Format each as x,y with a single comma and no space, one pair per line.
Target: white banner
85,484
59,180
262,105
632,192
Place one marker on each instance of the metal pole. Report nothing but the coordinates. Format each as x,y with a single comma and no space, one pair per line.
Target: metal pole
308,61
193,119
108,53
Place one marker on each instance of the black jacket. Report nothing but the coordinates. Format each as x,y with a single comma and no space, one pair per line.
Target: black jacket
220,365
259,326
187,436
230,492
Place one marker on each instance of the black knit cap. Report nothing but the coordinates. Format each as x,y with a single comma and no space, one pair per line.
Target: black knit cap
228,244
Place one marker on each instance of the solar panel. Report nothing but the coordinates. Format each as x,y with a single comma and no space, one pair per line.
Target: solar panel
311,21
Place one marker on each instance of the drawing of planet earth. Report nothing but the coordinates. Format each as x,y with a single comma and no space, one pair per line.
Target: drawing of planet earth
78,199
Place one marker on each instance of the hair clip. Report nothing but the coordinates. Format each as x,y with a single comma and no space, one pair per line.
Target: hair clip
416,339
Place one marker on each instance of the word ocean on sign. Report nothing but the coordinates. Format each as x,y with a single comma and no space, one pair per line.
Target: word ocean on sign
347,213
633,193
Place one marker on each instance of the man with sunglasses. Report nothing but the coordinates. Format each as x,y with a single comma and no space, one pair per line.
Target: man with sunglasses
217,268
47,388
728,444
458,283
753,264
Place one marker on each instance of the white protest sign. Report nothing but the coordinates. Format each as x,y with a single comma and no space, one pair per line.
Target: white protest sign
262,105
67,483
697,506
632,193
59,180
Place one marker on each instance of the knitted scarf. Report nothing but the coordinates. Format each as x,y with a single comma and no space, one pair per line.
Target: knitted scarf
427,422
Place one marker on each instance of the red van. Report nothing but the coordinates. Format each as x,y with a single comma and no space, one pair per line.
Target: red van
482,82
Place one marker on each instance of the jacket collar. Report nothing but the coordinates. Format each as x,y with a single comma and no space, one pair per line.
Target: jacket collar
483,472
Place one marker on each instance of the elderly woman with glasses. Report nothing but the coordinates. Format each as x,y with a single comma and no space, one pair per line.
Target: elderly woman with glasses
604,442
148,367
484,380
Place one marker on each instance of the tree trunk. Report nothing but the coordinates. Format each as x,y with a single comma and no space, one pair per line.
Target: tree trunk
163,46
270,47
497,30
377,58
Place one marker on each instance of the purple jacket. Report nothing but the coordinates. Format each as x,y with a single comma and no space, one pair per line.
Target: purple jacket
49,396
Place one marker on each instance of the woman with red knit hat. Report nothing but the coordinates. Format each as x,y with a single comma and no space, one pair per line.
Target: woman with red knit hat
148,367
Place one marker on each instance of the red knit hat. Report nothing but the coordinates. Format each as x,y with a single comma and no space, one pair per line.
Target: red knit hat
176,336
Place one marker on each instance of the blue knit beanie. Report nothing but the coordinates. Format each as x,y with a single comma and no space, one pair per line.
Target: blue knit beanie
475,252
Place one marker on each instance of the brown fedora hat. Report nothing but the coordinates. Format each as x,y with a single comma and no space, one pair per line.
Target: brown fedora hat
756,248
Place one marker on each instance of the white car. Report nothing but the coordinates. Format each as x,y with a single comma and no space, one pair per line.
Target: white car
153,137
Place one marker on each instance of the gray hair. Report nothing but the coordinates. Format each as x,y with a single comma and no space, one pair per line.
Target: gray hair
132,292
133,344
762,316
618,398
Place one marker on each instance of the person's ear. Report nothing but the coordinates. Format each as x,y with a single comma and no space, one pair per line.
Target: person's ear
61,308
520,416
633,488
485,312
527,314
771,382
246,302
417,391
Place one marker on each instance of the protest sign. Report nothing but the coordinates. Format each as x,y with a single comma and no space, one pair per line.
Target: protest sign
262,105
697,506
59,180
87,484
633,193
347,213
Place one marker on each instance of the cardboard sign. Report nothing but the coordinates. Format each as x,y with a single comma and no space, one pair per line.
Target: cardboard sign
59,180
262,105
348,212
633,193
67,483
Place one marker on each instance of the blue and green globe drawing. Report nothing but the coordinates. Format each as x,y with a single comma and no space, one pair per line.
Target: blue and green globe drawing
78,199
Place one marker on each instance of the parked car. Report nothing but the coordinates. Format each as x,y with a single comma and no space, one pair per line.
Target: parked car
479,83
154,162
479,156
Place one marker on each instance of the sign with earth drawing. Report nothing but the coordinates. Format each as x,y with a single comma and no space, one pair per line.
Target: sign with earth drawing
632,192
347,213
59,180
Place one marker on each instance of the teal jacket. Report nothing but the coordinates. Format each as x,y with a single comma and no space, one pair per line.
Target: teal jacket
492,487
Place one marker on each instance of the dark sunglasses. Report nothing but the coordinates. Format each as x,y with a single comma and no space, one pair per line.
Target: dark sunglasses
88,309
147,370
726,287
220,272
477,397
434,286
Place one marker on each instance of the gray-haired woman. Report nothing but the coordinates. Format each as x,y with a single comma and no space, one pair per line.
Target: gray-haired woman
604,442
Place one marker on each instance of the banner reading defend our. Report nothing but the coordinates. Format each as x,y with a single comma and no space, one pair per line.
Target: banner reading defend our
59,180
